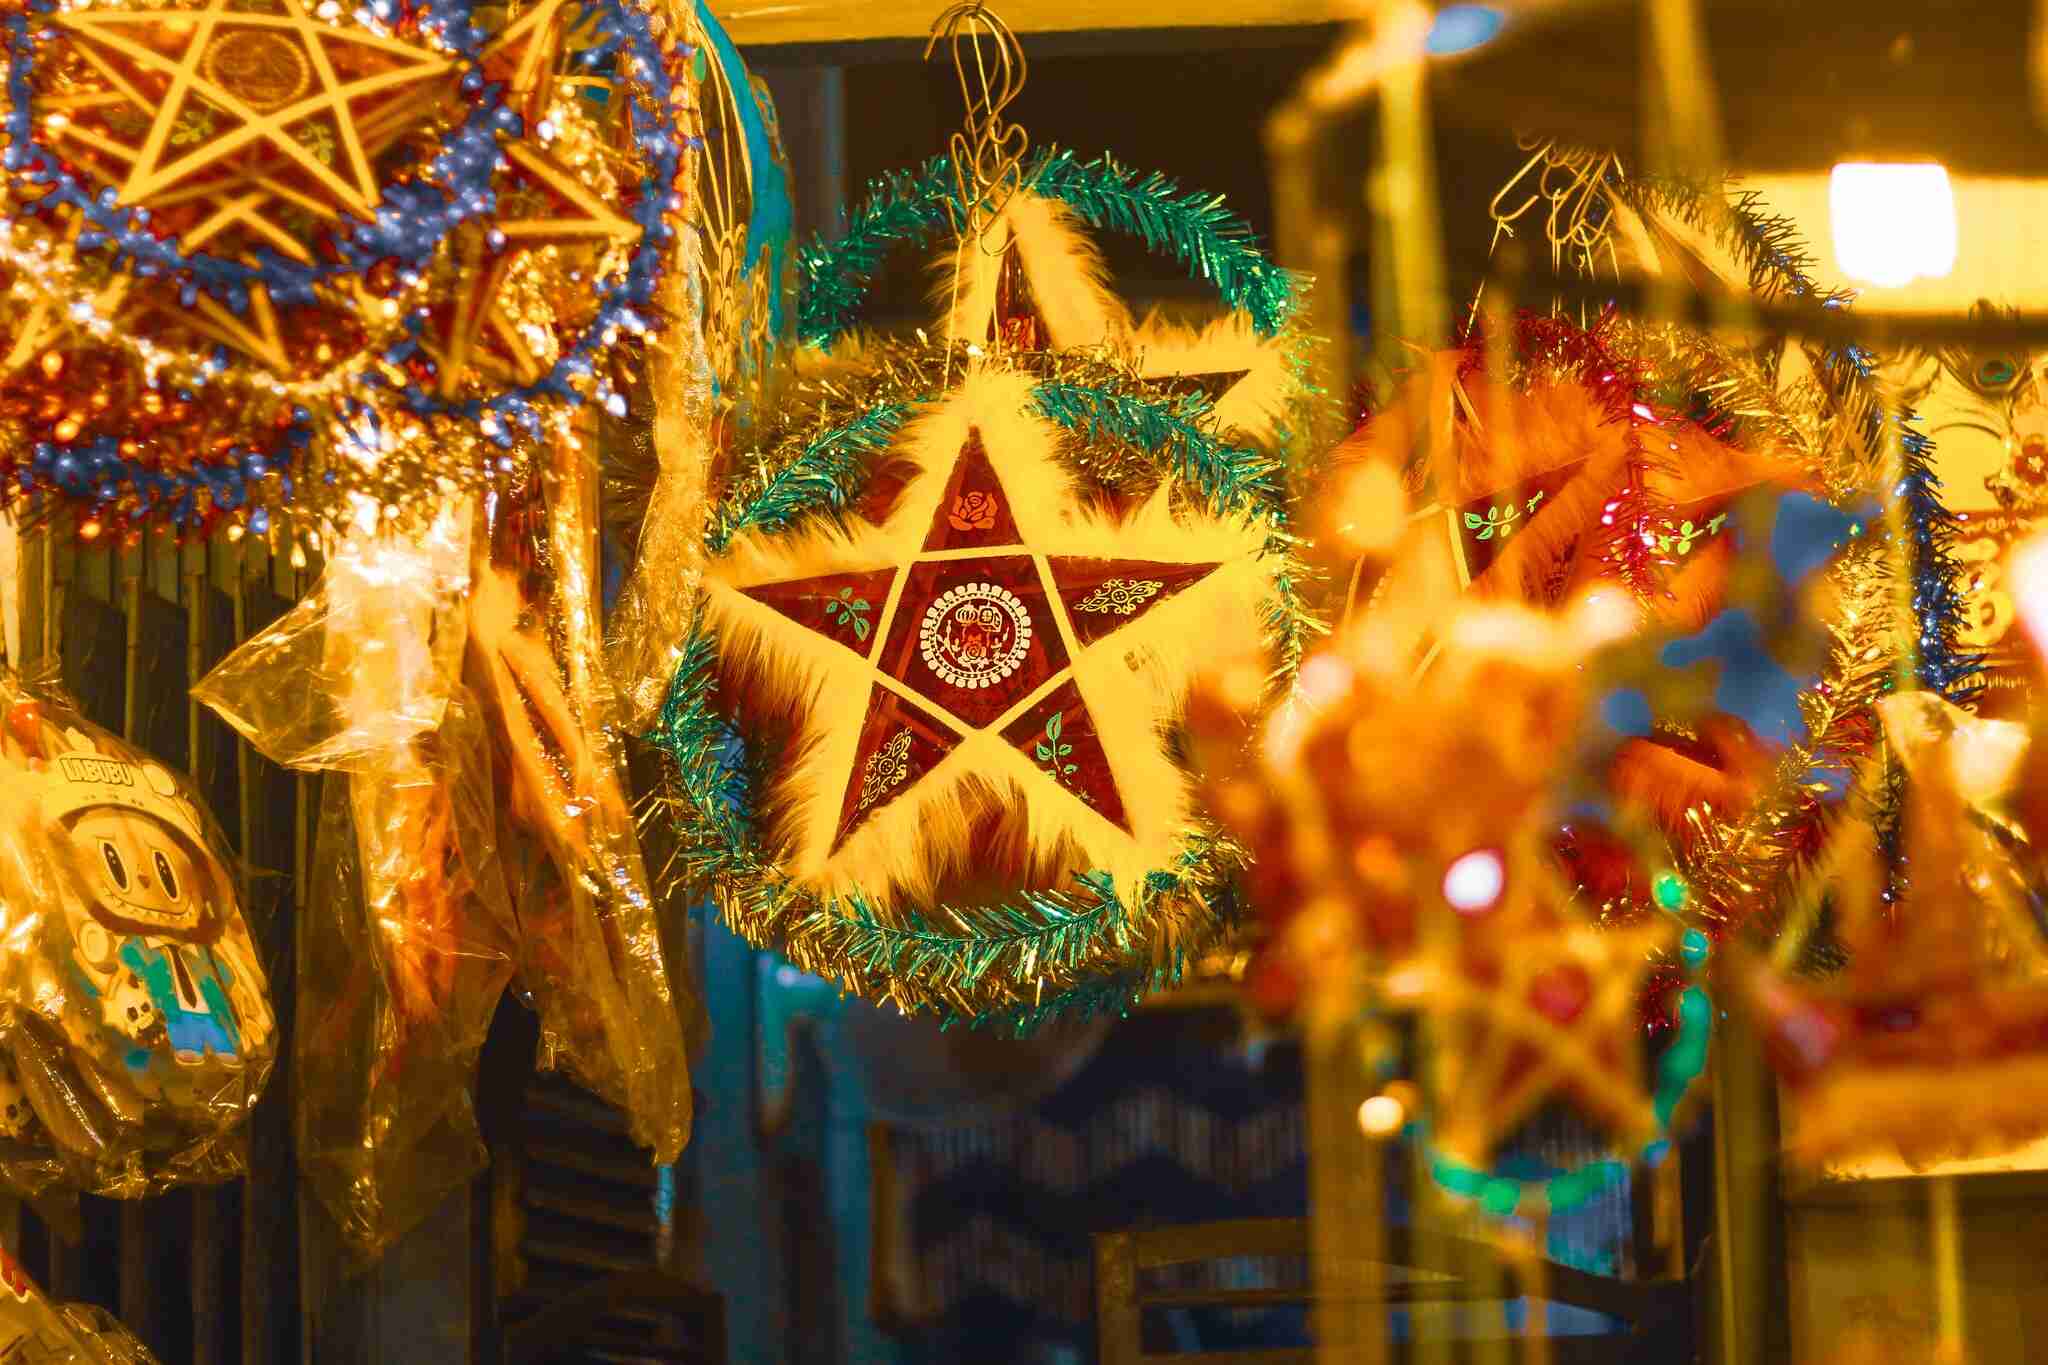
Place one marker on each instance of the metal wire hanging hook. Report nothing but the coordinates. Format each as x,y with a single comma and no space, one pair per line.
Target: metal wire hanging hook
988,153
1572,182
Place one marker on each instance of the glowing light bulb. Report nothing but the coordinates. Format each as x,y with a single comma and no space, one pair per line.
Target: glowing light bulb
1473,883
2029,578
1381,1116
1893,223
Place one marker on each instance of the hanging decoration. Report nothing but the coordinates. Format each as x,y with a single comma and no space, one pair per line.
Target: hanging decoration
1932,1042
1673,424
258,259
136,1033
447,670
474,828
1375,891
921,734
1831,407
716,366
1706,498
33,1329
405,935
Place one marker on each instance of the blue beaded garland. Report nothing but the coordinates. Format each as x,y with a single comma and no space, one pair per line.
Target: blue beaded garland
409,224
407,227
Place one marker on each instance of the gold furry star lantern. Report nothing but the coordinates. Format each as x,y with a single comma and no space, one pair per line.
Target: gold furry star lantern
926,733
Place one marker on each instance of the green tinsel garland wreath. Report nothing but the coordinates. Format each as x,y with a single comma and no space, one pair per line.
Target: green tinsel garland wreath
912,207
1041,955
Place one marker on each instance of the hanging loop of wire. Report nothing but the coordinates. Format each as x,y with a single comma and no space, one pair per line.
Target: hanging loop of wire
988,153
1573,182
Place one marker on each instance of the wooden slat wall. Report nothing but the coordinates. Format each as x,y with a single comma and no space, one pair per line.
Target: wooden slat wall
208,1276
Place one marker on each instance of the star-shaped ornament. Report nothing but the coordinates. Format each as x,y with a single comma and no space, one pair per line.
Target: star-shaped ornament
484,328
1531,1002
993,631
245,114
985,679
247,125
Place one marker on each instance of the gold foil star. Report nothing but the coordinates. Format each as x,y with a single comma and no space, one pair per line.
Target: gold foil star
542,202
251,104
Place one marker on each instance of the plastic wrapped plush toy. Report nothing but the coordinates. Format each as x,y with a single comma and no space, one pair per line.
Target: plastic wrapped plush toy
135,1029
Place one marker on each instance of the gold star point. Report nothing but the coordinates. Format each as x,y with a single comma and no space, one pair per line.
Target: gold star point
1535,1003
243,94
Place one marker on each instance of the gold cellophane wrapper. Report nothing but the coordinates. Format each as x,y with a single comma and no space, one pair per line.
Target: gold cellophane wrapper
405,945
405,934
34,1331
135,1026
652,615
591,959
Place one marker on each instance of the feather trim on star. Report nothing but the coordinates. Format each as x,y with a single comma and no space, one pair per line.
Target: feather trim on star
1069,281
985,816
1230,344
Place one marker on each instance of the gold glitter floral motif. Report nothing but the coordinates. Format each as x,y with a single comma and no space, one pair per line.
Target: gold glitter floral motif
886,768
1120,595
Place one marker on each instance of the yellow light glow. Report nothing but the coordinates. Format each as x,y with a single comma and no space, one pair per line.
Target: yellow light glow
2029,577
1381,1116
1892,223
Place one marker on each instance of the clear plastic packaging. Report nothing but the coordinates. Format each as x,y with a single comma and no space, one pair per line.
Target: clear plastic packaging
365,662
591,958
474,820
135,1025
34,1331
405,934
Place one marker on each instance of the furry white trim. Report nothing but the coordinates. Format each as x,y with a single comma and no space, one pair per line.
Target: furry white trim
1230,343
1068,279
937,833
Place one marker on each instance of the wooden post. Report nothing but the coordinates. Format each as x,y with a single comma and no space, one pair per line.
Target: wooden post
1346,1200
1748,1324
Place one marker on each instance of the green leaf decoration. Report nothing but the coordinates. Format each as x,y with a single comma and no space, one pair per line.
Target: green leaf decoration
860,628
1473,521
1054,726
1044,754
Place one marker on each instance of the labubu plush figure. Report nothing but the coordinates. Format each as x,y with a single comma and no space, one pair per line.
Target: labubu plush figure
135,1030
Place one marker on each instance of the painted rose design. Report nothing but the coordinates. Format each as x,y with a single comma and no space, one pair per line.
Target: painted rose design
975,511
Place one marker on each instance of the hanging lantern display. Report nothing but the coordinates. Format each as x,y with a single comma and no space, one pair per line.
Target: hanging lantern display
260,259
922,736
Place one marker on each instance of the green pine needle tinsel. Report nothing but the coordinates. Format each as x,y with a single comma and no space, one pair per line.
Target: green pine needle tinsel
912,207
